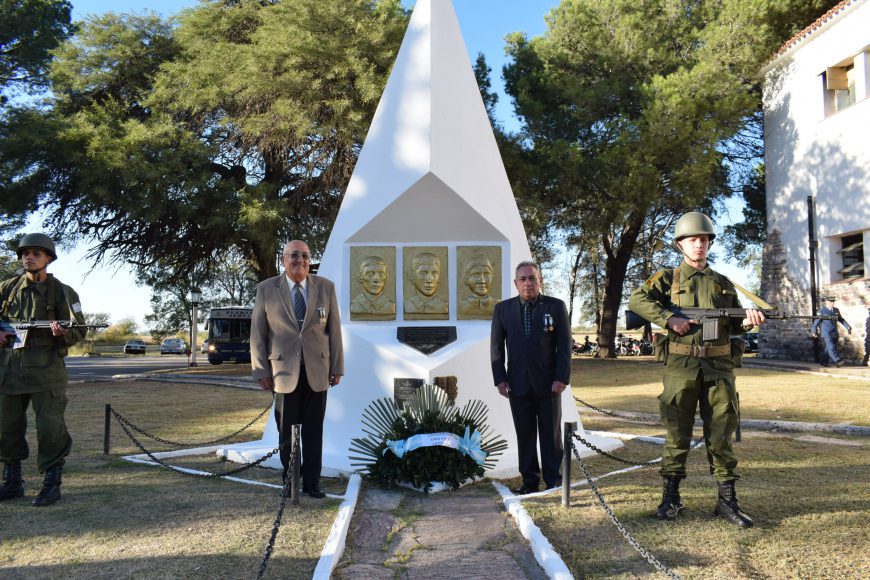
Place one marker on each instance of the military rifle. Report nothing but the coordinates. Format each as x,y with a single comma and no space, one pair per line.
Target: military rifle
44,324
709,318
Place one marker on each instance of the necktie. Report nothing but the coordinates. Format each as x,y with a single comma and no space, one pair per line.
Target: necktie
299,304
527,318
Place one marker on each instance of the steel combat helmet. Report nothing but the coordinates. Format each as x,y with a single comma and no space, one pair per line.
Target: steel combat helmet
37,241
694,223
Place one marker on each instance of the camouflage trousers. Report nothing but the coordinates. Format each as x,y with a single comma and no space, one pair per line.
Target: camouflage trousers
54,441
717,400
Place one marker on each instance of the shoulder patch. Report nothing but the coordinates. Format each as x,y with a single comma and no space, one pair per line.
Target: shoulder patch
654,278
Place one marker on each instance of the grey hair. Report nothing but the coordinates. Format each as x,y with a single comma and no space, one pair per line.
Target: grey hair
525,264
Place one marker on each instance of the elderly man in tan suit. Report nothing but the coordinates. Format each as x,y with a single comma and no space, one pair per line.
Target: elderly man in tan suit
296,352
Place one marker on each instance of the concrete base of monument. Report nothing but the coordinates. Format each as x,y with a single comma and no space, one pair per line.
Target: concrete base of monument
254,450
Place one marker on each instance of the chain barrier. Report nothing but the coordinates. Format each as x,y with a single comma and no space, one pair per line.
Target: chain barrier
616,415
123,420
613,519
141,447
285,493
611,456
127,426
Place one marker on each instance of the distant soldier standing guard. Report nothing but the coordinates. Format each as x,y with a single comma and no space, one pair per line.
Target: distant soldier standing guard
32,370
696,371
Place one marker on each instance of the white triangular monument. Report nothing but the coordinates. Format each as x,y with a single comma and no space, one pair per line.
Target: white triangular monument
429,176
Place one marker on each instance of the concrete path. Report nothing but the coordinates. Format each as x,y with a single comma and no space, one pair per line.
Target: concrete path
448,535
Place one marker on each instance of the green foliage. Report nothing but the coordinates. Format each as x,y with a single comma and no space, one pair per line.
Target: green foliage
9,267
747,237
119,332
429,411
637,109
231,130
29,31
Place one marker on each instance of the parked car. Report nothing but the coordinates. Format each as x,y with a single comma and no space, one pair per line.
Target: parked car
751,339
134,347
173,346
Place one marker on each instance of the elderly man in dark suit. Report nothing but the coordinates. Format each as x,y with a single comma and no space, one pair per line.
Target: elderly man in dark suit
296,352
536,330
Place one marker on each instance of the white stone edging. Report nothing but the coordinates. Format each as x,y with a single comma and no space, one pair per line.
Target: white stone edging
334,547
544,553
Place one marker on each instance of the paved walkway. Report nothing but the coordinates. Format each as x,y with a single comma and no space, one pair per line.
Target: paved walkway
448,535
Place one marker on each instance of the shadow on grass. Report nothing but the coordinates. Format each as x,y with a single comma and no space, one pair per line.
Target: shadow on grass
212,566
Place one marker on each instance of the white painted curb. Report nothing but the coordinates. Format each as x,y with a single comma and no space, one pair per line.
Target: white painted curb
544,553
334,547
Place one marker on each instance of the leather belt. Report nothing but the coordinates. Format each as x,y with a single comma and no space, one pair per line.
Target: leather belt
699,351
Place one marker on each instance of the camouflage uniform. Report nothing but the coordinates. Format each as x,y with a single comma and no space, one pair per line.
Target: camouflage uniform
36,374
690,379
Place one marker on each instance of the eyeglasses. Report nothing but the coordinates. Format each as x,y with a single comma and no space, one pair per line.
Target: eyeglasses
298,256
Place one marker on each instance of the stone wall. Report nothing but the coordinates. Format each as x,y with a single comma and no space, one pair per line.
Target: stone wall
790,339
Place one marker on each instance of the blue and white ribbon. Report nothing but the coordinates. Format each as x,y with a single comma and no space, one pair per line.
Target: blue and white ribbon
468,445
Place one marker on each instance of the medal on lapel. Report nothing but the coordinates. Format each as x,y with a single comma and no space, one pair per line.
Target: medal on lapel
321,313
548,323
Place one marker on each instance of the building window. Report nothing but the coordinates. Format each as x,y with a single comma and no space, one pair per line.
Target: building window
840,87
852,253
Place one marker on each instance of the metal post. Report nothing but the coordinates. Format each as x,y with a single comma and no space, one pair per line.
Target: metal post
193,329
107,425
566,463
297,461
814,293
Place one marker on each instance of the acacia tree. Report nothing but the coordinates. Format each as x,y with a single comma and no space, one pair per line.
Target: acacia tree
233,130
631,108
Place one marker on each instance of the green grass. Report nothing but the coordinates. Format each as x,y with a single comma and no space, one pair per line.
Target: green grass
810,502
634,385
809,496
118,519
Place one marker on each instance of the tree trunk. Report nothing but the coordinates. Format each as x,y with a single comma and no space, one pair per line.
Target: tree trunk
615,267
572,284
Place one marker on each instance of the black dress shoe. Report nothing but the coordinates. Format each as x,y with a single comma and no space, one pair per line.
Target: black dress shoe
525,488
314,492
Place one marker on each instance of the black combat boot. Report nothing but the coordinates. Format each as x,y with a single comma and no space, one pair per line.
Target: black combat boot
727,506
13,485
671,505
50,492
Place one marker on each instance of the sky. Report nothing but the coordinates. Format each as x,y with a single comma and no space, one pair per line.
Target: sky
484,24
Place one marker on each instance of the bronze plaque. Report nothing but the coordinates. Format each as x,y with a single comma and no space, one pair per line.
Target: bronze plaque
372,283
478,281
426,339
424,291
404,389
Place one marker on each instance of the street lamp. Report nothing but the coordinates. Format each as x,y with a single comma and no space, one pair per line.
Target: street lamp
195,296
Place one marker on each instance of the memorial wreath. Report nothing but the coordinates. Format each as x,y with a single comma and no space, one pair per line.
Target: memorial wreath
430,440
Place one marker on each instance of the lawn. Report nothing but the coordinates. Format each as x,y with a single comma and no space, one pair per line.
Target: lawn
633,384
118,519
809,495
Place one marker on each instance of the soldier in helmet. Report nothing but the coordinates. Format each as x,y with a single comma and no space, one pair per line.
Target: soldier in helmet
32,370
697,372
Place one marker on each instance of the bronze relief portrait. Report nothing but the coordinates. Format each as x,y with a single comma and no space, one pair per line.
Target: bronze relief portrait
373,283
478,281
425,289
